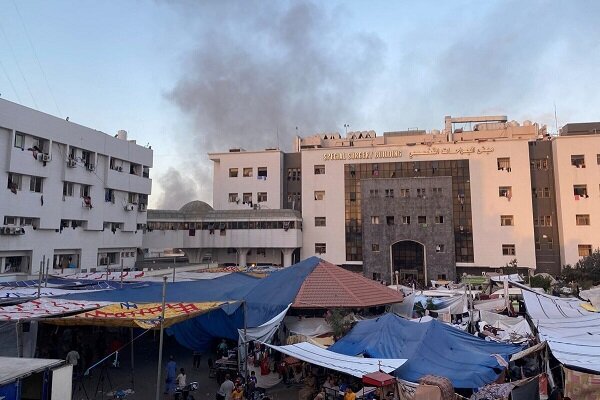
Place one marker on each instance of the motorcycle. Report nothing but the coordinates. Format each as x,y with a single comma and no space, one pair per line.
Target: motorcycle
183,393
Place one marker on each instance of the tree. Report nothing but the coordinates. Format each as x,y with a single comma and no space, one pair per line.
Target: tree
586,272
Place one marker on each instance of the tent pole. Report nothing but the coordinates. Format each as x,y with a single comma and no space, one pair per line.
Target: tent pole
41,271
160,343
132,359
121,273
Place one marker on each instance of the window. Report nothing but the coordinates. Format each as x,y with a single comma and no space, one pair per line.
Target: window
582,219
375,219
404,192
505,191
539,163
542,220
422,220
598,159
439,219
437,190
261,197
293,174
261,173
320,248
389,193
85,191
247,172
440,248
578,161
375,247
580,191
146,172
320,221
247,198
132,198
550,243
584,250
109,196
68,189
26,221
233,172
389,220
506,220
10,220
538,245
35,184
541,192
19,140
116,164
508,250
406,219
233,198
319,170
374,192
546,193
504,164
14,182
319,194
441,277
421,193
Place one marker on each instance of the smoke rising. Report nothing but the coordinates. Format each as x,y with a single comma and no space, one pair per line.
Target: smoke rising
261,69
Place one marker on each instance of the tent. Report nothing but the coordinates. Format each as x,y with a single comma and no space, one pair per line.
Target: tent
45,307
351,365
572,332
431,348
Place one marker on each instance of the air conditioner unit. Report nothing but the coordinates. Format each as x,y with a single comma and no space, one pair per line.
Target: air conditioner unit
44,157
71,163
129,207
12,230
90,167
5,230
19,231
142,207
120,169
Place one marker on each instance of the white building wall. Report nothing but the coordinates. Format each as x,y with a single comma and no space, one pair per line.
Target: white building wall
223,184
567,175
50,207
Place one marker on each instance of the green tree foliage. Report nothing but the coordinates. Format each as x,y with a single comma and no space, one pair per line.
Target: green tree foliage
586,272
541,282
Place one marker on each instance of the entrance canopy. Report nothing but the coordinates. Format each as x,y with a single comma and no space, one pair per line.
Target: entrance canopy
355,366
133,315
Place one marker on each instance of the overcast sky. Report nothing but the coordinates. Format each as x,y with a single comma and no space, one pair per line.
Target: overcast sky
190,77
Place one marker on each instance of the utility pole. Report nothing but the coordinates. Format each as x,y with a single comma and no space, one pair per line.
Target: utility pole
160,342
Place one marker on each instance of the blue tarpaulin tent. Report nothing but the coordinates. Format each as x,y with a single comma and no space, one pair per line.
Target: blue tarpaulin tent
431,348
264,299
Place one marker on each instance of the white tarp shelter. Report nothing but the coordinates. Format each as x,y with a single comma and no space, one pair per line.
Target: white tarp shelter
511,278
355,366
572,332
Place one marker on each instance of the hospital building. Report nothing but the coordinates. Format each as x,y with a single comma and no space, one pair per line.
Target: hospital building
468,198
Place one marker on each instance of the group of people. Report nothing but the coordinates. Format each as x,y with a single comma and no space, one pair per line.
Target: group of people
175,383
230,390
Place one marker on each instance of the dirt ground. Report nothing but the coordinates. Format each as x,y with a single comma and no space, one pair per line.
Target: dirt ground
143,379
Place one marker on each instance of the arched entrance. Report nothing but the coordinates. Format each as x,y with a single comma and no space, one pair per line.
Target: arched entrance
408,258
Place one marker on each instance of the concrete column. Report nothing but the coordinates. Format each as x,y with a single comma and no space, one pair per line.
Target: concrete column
242,253
194,255
287,257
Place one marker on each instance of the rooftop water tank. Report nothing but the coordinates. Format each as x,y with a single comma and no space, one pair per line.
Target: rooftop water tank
122,134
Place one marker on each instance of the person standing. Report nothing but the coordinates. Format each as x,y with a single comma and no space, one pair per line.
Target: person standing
226,389
197,357
181,382
170,376
73,359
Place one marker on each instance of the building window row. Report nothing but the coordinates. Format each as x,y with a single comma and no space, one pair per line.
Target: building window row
421,219
261,197
15,183
582,219
542,220
549,243
539,163
21,221
542,193
221,225
294,174
247,172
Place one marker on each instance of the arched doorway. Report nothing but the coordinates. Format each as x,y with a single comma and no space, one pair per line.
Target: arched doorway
408,258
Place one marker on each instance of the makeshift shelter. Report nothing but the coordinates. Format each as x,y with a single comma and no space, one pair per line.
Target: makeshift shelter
431,348
572,332
351,365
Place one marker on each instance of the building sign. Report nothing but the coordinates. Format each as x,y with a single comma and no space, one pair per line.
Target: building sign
362,155
383,154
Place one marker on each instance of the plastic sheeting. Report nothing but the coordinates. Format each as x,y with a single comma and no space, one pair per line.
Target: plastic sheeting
514,325
351,365
572,333
406,308
44,307
431,348
307,326
593,295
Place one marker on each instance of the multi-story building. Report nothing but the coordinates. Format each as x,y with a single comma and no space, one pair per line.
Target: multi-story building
470,198
73,196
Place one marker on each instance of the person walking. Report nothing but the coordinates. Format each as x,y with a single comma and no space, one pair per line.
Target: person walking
226,389
170,376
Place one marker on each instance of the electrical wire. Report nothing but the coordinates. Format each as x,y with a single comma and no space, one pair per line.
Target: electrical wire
37,58
12,52
10,81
